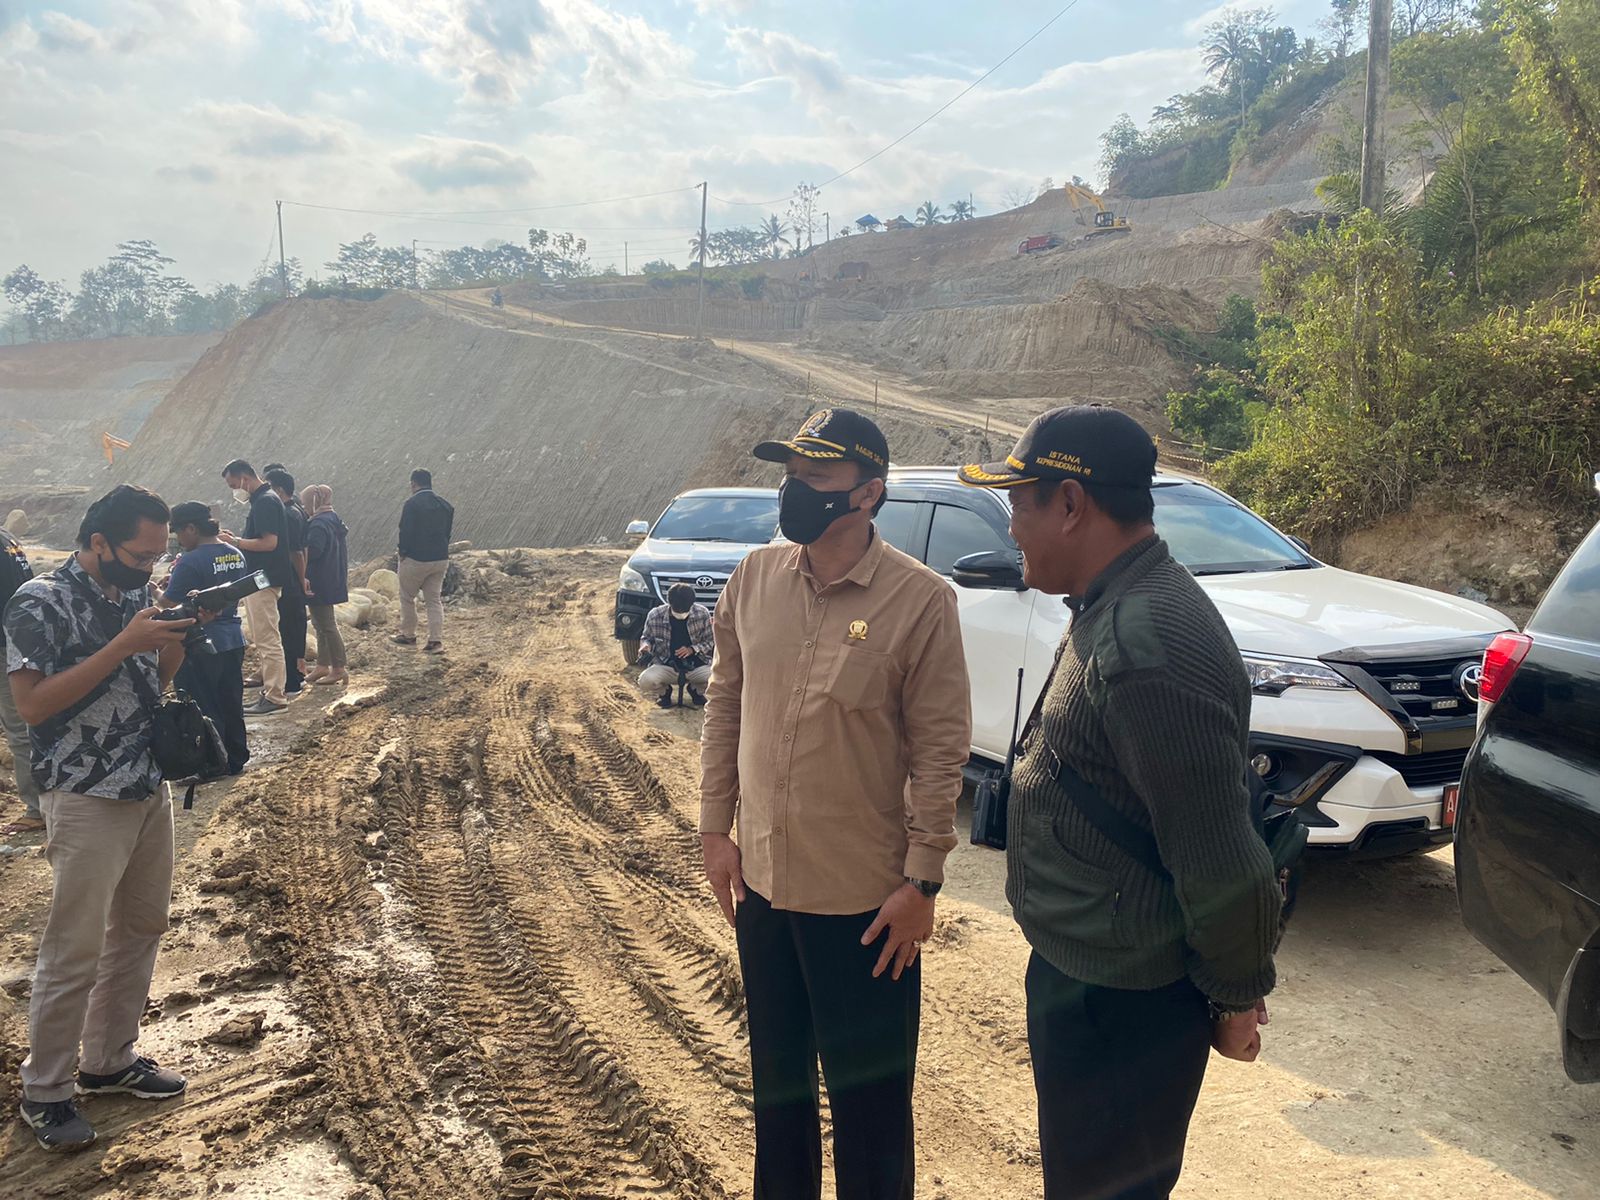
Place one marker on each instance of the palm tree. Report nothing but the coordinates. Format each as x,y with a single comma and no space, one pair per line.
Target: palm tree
961,210
698,248
929,214
1231,49
772,231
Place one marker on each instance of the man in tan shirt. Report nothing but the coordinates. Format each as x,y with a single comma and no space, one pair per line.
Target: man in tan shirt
837,724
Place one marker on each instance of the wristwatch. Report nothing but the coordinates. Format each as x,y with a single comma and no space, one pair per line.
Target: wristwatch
927,887
1218,1012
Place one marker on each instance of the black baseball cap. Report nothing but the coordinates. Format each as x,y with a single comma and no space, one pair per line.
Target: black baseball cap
1083,442
833,433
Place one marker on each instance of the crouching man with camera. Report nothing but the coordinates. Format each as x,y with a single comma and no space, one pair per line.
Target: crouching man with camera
88,659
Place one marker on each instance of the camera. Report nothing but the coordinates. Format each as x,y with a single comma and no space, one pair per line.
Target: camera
211,600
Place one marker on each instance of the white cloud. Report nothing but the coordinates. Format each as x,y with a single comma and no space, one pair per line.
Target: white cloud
262,131
448,163
783,56
64,34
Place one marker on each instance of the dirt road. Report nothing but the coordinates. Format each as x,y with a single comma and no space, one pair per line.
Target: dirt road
451,941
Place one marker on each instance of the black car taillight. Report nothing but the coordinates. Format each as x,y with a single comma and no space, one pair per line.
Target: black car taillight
1500,663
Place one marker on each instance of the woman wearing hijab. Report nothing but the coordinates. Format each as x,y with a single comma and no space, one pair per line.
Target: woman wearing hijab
327,581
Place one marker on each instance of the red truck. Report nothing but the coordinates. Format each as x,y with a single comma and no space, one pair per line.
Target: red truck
1045,241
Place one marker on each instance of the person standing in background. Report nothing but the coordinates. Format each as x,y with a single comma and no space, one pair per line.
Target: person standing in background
265,543
14,572
292,603
327,582
425,525
215,680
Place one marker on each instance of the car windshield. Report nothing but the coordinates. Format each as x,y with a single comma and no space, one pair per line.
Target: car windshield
1213,535
747,519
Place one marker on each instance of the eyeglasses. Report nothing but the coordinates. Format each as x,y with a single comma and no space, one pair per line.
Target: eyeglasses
140,561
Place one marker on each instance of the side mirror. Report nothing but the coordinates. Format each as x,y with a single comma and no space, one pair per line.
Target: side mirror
638,529
1302,543
992,570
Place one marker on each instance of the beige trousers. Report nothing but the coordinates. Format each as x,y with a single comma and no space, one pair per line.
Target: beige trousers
111,861
654,678
428,578
261,610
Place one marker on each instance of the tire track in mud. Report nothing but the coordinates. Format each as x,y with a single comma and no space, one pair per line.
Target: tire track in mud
574,1121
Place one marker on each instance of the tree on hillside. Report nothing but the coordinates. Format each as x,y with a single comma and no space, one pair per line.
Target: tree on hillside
773,233
1344,27
699,248
1047,184
929,213
1017,196
1235,49
658,266
560,255
1120,145
1412,17
1556,44
803,214
961,210
41,303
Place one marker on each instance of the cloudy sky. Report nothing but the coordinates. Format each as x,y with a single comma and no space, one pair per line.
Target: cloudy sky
183,120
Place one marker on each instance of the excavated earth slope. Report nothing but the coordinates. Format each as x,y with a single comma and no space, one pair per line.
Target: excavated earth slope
540,435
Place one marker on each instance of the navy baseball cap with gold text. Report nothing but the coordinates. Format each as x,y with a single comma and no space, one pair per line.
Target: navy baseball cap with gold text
833,433
1083,442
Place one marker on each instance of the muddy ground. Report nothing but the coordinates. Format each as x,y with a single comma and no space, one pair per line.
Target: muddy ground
449,939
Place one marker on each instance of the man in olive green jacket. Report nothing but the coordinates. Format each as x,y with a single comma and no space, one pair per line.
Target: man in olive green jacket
1133,864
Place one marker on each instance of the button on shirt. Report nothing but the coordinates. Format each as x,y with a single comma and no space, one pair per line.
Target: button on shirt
99,746
837,723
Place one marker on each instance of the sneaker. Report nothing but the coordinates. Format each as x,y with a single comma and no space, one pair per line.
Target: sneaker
263,708
254,681
665,699
401,639
57,1125
433,648
294,693
696,697
141,1078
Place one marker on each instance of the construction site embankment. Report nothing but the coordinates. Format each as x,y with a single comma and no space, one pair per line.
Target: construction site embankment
540,435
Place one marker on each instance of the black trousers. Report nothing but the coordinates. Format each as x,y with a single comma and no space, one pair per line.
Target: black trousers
216,681
1118,1073
809,993
292,626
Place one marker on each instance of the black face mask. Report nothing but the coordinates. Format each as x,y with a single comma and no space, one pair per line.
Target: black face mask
119,574
804,513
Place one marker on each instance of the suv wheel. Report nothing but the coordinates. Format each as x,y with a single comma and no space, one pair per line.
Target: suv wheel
630,650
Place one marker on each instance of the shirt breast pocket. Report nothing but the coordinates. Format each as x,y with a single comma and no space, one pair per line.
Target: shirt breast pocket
859,678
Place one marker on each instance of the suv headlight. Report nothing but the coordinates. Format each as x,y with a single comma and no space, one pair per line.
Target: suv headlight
1274,676
632,581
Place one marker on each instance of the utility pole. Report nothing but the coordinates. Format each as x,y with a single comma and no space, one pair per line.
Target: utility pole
1379,30
700,321
283,266
625,270
415,285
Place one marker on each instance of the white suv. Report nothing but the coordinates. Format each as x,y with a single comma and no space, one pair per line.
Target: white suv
1364,689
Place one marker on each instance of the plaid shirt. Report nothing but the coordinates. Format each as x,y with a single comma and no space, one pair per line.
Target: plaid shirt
658,633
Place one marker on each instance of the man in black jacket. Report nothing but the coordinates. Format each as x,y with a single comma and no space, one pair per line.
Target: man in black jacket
425,524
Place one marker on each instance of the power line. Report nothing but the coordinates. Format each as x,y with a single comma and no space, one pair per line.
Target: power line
925,120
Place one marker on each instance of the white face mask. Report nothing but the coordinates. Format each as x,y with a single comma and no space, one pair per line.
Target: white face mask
242,496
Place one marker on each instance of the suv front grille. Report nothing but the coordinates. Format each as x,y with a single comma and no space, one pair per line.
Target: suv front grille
707,585
1433,769
1425,689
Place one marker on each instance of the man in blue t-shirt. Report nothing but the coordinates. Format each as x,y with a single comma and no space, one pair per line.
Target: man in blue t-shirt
216,681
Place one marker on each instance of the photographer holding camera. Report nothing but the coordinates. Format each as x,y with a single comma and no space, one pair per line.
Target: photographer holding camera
89,658
214,677
677,638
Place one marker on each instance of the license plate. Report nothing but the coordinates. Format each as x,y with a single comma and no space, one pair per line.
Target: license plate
1452,801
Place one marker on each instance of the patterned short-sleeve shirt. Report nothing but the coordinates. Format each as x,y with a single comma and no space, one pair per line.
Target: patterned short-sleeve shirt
99,746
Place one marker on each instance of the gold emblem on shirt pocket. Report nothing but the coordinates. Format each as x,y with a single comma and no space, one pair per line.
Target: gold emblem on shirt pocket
860,677
858,631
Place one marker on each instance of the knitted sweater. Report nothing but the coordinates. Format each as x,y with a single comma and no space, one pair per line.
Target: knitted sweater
1151,705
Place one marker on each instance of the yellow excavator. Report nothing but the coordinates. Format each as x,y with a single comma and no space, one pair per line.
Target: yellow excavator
1105,221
